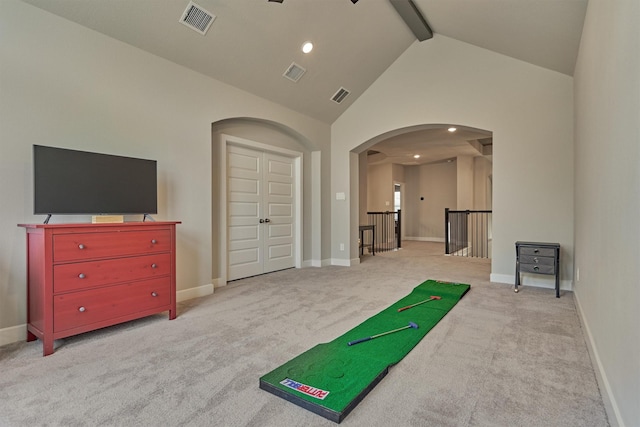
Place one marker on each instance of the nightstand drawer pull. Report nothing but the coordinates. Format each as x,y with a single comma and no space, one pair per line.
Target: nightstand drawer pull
154,241
81,276
154,265
154,294
81,309
81,246
536,268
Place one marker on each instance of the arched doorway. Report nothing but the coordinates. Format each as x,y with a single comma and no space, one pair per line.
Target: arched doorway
440,165
260,136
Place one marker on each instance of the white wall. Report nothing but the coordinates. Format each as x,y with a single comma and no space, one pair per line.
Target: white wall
530,112
607,202
65,85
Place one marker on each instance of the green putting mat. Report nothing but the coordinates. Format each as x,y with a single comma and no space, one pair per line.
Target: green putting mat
330,379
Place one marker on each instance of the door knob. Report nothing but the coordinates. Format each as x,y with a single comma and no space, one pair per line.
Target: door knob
261,221
267,220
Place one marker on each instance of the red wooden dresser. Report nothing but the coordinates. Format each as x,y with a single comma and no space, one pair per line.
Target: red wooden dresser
82,277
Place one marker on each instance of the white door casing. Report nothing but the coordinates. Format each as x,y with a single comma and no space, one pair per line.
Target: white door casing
261,212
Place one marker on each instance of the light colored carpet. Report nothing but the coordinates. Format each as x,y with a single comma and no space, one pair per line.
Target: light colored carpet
497,359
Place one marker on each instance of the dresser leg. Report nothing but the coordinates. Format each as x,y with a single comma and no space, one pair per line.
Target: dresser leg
47,346
30,336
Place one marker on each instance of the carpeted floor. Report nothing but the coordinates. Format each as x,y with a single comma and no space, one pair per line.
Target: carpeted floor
497,359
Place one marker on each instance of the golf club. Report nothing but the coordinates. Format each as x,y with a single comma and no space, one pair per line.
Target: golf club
410,325
418,303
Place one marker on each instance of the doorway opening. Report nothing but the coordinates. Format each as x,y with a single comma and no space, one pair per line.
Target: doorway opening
428,169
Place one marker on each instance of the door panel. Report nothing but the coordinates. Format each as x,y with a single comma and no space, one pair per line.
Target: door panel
279,198
244,172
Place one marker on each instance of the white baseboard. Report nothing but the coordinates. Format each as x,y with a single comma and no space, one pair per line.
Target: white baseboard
425,239
331,261
19,333
345,262
537,281
198,291
13,334
610,403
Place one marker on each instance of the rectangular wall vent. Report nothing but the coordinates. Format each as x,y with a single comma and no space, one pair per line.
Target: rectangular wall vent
340,95
196,18
294,72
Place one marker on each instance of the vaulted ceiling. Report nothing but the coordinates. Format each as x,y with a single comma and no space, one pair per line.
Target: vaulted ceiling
251,43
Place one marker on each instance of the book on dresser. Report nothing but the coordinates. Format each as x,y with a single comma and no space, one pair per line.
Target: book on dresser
82,277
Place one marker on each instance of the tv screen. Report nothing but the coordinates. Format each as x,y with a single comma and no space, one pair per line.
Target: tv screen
79,182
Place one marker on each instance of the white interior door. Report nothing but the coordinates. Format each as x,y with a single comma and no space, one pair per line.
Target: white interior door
279,212
244,183
260,212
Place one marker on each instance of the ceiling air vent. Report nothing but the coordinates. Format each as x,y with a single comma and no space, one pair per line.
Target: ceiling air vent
196,18
294,72
340,95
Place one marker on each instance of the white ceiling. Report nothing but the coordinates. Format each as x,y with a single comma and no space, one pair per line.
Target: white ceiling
251,43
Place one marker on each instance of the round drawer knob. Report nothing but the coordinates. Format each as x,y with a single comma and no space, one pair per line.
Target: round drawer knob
81,275
81,309
536,268
153,294
535,251
154,241
81,246
535,259
154,266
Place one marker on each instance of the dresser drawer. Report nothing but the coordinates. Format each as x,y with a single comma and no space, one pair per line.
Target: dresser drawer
537,268
530,259
83,308
526,250
91,274
81,246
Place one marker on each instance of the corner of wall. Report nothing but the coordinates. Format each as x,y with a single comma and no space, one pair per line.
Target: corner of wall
198,291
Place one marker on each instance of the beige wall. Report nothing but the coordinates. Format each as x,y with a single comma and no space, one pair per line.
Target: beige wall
441,186
397,174
607,202
430,189
65,85
482,170
380,188
464,182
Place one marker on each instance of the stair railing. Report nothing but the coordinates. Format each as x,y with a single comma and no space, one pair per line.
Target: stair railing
468,233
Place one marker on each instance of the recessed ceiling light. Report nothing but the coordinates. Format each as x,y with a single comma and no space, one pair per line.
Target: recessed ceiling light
452,129
307,47
416,156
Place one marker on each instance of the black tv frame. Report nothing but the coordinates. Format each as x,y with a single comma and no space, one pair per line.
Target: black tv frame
75,182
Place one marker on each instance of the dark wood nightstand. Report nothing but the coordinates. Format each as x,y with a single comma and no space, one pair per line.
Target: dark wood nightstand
539,258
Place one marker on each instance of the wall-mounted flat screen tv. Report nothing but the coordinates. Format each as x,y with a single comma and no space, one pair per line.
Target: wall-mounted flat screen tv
80,182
